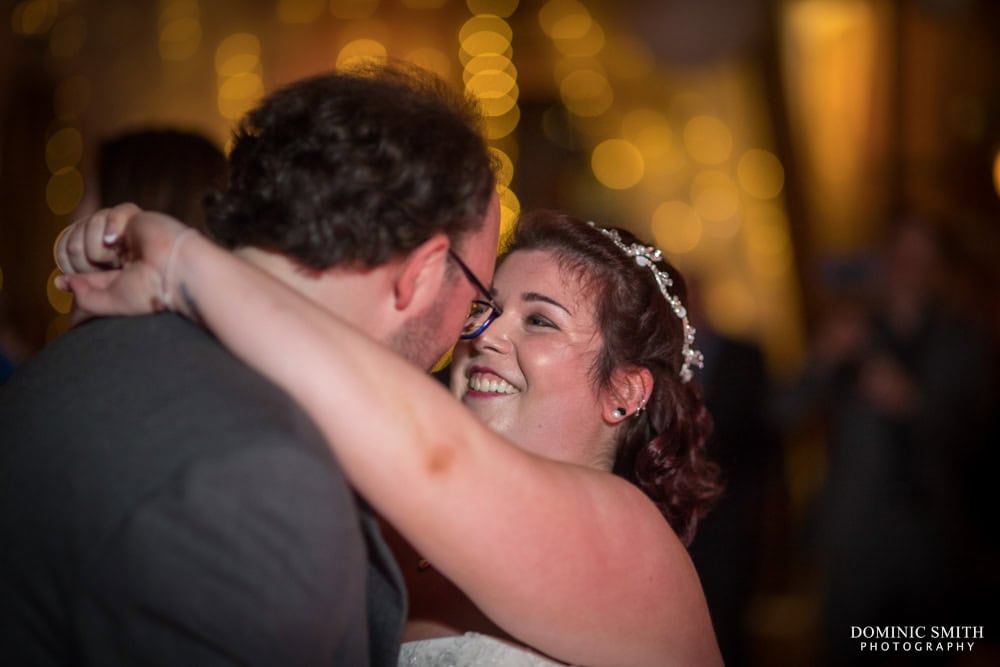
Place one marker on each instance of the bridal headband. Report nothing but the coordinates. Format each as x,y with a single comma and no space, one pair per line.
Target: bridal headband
647,257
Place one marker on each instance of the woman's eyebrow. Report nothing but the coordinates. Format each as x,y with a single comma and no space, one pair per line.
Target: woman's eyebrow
535,296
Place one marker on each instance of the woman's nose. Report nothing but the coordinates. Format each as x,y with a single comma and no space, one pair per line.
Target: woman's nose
496,337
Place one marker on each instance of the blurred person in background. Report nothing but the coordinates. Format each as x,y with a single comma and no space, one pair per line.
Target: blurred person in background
13,350
159,169
901,379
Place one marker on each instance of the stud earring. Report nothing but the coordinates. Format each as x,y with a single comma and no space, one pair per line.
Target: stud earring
620,412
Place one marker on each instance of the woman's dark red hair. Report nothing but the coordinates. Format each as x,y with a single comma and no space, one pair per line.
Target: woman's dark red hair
662,450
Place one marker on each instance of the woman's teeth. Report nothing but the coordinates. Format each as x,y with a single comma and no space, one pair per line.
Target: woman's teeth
491,385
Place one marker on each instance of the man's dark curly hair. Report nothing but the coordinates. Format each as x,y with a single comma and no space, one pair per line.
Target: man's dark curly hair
356,167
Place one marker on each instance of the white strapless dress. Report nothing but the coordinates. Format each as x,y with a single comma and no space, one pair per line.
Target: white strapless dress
469,650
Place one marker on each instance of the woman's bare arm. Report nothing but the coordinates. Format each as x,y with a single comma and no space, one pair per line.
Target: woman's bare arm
575,562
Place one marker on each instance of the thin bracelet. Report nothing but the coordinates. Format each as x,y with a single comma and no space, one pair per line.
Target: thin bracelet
165,299
55,247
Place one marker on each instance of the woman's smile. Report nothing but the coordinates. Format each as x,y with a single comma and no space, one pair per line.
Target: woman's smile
528,375
486,383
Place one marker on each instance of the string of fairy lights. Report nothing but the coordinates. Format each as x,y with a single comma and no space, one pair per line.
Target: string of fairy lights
679,157
490,76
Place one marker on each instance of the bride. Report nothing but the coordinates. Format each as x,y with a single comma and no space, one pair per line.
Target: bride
572,541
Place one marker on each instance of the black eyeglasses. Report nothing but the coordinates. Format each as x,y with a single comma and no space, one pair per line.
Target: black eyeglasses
483,311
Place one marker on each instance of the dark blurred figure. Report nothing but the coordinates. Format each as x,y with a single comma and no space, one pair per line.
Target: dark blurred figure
902,381
13,350
164,170
730,540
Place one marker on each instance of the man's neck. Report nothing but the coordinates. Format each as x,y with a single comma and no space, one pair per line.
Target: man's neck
350,293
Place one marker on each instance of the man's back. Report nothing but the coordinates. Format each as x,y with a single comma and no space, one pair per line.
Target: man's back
160,503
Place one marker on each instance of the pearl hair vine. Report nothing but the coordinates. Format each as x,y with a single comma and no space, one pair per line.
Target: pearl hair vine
647,257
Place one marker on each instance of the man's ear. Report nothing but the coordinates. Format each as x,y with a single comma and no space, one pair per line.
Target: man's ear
419,276
629,391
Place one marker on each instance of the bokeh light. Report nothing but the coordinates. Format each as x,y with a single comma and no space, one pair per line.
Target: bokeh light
236,45
505,167
617,164
676,227
708,140
490,78
300,11
574,25
561,12
237,54
498,127
731,307
64,149
488,61
510,210
64,190
566,40
716,198
359,51
61,302
760,174
486,23
180,30
586,92
496,91
649,130
237,65
179,39
484,42
652,134
238,94
491,82
33,17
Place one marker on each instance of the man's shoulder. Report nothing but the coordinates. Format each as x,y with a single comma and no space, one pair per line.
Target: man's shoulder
121,341
156,361
143,396
148,468
120,412
101,346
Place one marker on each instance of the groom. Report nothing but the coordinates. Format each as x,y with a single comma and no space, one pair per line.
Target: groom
163,504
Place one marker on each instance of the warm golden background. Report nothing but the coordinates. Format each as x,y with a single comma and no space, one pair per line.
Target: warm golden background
764,145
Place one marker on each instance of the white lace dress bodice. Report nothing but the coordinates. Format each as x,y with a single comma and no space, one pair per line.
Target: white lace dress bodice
469,650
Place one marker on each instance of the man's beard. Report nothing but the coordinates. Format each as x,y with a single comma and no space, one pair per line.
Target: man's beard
420,339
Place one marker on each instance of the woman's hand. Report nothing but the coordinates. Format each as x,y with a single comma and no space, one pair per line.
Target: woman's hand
118,262
90,244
